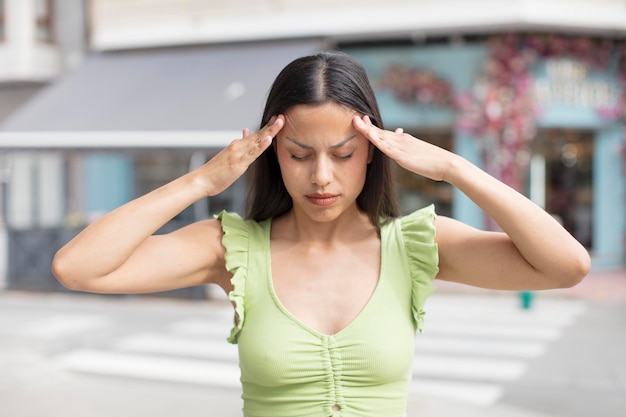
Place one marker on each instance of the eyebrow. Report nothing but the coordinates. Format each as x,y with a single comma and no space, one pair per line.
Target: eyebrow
308,147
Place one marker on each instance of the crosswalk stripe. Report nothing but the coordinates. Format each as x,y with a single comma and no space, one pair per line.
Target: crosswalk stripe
503,309
466,357
175,345
468,367
219,328
192,371
543,333
62,325
480,347
476,393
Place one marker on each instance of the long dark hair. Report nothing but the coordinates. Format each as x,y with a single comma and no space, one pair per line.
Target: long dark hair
317,79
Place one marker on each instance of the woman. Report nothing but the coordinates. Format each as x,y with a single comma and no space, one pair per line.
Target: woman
328,283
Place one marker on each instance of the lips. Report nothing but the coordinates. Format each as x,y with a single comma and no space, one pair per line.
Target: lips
322,199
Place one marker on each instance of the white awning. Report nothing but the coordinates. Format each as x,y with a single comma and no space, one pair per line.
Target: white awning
174,97
117,139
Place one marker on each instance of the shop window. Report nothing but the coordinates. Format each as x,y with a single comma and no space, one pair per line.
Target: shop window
154,168
2,20
561,178
43,21
416,191
117,176
149,169
34,193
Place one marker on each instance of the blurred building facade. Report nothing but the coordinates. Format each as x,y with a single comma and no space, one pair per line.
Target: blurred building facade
146,90
39,41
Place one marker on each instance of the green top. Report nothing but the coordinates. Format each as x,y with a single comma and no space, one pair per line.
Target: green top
290,370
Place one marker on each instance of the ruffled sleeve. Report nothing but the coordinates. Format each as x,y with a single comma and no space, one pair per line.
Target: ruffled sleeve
418,233
236,242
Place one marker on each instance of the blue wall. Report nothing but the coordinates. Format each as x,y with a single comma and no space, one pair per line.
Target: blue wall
460,65
108,183
609,209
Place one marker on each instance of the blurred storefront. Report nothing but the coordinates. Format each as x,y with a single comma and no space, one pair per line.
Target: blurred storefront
147,93
548,122
118,127
543,112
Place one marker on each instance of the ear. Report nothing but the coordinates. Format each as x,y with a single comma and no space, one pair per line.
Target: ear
370,153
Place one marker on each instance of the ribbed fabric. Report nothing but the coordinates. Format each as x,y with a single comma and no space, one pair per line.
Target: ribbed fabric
290,370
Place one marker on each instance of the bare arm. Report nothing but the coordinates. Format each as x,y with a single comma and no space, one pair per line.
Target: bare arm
119,253
534,252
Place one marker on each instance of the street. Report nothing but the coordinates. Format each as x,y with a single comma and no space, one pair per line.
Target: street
77,355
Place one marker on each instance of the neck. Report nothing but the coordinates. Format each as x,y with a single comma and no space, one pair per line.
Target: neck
351,224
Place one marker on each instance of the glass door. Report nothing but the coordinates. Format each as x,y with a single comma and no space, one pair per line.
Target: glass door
561,178
415,191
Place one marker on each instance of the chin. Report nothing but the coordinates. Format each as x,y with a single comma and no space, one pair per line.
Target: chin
326,214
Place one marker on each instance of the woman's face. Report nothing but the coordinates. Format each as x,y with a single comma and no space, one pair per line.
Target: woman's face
323,159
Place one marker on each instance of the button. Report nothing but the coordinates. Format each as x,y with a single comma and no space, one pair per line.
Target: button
336,407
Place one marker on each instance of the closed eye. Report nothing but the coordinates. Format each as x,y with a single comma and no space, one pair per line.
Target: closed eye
302,158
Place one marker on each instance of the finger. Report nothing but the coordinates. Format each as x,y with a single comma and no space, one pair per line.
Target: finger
384,140
254,144
365,126
274,126
264,136
245,132
359,123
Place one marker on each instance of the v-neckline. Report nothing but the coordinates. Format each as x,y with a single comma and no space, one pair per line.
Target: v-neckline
289,315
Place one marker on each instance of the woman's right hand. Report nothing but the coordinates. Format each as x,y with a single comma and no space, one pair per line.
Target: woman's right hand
228,165
119,253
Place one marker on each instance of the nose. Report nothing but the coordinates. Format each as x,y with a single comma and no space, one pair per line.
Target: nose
322,171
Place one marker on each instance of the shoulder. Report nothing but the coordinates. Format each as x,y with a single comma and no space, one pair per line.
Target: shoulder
233,226
416,237
425,215
421,221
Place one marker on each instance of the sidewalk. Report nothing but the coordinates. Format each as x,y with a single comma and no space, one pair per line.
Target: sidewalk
62,394
430,407
601,288
39,379
598,286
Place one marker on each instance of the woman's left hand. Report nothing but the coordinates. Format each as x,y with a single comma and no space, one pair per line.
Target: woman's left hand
534,252
413,154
